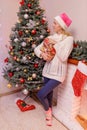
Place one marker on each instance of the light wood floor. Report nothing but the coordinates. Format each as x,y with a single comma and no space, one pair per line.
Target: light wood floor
11,118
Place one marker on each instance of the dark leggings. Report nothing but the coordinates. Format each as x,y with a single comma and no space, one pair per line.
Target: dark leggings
45,94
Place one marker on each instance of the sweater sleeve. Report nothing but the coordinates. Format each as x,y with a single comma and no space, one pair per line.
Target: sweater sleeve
64,48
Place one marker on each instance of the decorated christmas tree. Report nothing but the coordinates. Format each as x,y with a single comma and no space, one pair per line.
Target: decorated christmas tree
23,68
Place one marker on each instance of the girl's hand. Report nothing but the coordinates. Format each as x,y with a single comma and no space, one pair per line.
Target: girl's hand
45,56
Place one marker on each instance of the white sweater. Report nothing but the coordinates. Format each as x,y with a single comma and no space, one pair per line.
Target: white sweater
57,67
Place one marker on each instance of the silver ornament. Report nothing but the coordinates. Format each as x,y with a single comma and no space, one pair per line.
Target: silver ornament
41,36
24,58
16,85
23,44
17,69
33,45
16,40
26,16
25,91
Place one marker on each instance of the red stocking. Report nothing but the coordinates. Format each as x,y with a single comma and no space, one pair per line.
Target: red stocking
79,78
23,106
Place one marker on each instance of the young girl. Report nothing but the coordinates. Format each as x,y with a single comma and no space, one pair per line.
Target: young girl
55,69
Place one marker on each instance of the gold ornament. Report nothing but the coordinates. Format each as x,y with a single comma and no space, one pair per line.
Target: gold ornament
30,39
9,85
18,59
29,78
37,23
25,70
33,54
18,21
38,88
11,53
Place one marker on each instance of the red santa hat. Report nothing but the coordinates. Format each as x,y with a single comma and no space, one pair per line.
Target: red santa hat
64,20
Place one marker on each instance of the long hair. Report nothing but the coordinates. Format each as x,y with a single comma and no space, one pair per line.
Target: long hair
66,33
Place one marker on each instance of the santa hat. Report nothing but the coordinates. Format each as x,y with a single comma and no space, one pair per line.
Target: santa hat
64,20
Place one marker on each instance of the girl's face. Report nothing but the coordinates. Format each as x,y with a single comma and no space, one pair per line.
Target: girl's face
56,27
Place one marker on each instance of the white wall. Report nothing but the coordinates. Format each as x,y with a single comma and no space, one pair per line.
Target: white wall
8,16
75,9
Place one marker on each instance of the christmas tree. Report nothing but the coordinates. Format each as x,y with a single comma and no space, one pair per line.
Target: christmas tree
23,68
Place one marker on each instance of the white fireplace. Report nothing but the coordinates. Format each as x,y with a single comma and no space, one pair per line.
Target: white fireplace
69,105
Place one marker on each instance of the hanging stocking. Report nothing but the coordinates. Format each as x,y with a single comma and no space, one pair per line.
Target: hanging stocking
79,78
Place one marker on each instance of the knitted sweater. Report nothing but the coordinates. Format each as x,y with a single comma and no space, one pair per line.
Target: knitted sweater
57,67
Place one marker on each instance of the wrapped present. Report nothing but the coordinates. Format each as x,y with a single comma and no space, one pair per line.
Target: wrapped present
48,48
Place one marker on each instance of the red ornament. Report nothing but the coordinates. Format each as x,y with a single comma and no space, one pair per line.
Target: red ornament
29,5
10,74
43,20
15,58
33,32
10,48
75,45
20,33
36,65
21,52
6,60
22,2
37,12
23,106
22,80
83,61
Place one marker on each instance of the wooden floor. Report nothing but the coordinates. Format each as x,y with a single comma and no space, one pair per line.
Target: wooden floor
11,118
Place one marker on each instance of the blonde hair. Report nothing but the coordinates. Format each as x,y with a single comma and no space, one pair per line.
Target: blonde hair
66,33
